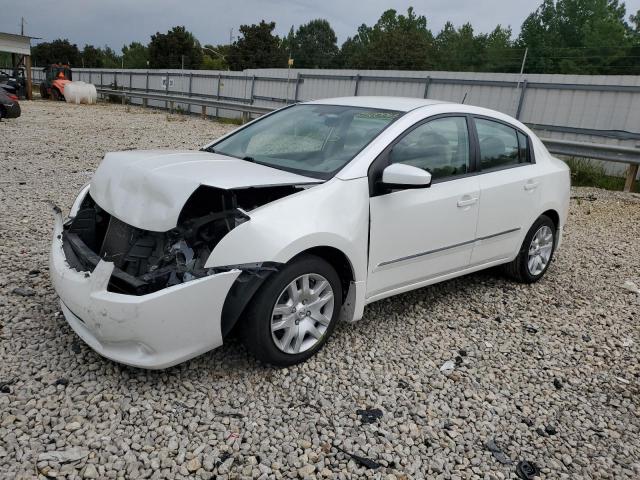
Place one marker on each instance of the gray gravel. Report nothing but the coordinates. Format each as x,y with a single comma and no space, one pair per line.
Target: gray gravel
560,356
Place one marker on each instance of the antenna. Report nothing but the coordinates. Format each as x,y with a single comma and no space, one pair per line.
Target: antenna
465,96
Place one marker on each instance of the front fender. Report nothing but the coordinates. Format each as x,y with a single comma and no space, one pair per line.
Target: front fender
333,214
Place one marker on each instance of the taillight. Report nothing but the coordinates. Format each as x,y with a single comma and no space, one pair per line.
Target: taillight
12,97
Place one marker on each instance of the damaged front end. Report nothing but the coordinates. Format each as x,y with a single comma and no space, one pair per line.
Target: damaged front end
146,261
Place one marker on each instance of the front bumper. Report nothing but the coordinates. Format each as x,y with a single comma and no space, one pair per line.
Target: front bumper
152,331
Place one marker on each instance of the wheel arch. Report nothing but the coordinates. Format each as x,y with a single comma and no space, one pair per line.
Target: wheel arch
554,216
248,284
338,260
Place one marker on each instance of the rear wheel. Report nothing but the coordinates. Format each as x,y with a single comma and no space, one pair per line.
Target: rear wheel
294,313
55,94
43,92
535,253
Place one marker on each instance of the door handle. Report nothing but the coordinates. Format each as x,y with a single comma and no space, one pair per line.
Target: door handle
465,202
531,185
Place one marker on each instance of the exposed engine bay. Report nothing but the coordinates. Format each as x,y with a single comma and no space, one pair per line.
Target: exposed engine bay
147,261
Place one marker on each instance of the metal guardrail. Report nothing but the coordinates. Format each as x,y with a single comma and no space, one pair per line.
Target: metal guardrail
172,100
599,151
609,153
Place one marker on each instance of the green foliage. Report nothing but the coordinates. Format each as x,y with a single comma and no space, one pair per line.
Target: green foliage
215,57
395,42
258,47
58,51
562,36
585,173
314,45
167,50
110,59
5,60
91,57
136,55
579,36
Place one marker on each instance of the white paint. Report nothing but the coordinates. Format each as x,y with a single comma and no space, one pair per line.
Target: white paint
150,331
148,188
394,242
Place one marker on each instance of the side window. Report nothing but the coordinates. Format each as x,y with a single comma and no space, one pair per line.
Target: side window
500,145
440,147
523,145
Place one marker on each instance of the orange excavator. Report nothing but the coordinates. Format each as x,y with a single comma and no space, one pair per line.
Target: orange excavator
55,78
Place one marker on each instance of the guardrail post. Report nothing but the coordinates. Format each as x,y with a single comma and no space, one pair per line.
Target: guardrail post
204,111
253,86
295,93
632,173
101,83
166,90
427,82
355,91
218,91
130,81
521,100
190,82
145,101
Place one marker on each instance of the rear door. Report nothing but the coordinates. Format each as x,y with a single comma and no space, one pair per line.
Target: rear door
509,187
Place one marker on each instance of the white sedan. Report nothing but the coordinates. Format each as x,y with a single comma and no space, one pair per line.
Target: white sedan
298,220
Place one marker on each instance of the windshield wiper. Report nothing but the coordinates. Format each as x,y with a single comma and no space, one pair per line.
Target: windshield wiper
249,159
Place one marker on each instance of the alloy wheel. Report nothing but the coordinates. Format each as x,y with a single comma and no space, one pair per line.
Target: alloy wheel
540,250
302,313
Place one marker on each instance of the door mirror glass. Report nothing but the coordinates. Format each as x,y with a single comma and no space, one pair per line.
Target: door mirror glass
401,176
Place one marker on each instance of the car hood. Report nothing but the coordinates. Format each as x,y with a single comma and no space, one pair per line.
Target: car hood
148,188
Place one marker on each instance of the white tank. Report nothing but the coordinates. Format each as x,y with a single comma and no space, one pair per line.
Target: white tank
80,92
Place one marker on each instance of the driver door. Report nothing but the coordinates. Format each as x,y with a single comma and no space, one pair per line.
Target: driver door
417,235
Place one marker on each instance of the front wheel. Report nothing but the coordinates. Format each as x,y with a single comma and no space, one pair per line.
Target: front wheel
535,253
294,313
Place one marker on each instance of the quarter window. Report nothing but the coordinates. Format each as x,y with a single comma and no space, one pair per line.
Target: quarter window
500,145
441,147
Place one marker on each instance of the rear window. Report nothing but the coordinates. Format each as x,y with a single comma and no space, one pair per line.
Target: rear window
500,145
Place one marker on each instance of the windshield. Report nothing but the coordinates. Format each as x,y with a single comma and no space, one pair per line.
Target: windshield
312,140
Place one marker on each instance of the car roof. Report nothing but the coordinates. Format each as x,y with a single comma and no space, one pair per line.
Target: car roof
402,104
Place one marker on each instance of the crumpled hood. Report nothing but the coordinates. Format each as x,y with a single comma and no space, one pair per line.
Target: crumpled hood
148,188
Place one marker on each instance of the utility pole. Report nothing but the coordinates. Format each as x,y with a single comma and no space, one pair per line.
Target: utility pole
524,59
230,36
22,25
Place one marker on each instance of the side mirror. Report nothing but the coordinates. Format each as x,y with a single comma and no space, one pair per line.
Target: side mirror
399,176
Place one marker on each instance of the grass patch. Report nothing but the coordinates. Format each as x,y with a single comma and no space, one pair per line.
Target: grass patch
585,173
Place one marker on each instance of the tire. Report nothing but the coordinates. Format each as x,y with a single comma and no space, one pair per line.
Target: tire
43,92
256,329
55,94
520,269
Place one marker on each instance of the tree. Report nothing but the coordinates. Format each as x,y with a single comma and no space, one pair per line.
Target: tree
168,50
135,55
58,51
110,59
258,47
501,54
394,42
577,36
215,57
314,45
91,57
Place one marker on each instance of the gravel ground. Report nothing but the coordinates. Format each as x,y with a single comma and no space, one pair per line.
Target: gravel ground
549,372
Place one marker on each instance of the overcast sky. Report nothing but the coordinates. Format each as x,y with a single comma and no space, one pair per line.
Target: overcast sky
119,22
